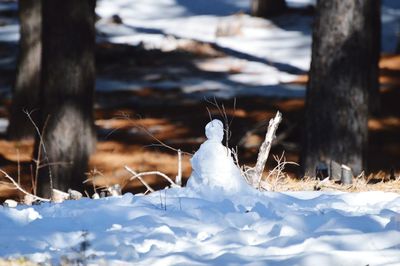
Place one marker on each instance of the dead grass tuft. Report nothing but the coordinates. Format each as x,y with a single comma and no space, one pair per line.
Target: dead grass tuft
283,182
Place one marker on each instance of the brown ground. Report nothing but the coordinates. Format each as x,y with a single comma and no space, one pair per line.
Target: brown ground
130,122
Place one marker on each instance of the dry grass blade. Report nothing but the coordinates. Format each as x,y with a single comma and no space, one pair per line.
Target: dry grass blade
276,177
222,112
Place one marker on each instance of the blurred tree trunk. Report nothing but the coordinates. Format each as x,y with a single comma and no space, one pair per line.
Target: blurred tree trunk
27,82
340,80
68,77
375,26
267,8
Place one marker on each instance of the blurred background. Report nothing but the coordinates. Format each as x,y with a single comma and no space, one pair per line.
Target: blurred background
163,66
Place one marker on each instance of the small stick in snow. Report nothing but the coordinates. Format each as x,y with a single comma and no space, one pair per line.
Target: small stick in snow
256,172
178,179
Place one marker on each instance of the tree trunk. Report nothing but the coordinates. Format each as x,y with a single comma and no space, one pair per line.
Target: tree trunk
27,82
375,26
68,77
340,77
267,8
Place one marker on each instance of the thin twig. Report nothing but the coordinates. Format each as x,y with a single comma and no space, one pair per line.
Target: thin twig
20,188
161,145
41,144
222,112
53,164
277,171
209,113
18,168
33,180
135,175
151,135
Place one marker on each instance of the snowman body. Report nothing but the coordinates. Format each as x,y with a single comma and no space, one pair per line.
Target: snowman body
212,164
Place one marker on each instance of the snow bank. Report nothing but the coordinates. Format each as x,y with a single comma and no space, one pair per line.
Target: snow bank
176,227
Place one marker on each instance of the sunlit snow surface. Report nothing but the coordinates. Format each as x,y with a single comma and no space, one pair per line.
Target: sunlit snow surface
182,227
269,53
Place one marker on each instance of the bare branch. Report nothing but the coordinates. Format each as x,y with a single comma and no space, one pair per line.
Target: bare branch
255,174
20,188
135,175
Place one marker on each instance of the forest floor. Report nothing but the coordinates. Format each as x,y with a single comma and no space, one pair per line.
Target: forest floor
166,91
130,123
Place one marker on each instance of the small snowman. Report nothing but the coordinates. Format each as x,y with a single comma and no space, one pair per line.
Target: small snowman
212,164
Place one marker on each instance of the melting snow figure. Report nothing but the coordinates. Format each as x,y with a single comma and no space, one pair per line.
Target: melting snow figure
212,164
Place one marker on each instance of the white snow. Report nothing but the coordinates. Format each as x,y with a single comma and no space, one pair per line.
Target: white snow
271,52
3,125
182,227
213,166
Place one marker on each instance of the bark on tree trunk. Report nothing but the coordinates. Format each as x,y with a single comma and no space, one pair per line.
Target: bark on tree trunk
27,82
68,76
267,8
340,78
375,26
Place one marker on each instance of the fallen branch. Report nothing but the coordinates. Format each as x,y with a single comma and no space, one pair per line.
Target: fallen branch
139,175
254,174
135,175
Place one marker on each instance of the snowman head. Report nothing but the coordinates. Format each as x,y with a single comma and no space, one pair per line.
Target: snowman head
215,130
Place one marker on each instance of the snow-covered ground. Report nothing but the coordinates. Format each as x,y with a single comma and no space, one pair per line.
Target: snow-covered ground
181,227
216,220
